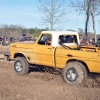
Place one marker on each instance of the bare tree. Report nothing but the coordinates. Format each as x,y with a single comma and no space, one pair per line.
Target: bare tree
94,10
82,6
89,7
53,11
12,30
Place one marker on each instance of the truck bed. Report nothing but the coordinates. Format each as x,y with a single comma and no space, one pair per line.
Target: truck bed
90,49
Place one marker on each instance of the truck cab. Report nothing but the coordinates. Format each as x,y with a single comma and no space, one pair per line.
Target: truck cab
42,51
55,38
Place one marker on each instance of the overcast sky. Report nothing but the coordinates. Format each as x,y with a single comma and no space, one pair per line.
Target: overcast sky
26,14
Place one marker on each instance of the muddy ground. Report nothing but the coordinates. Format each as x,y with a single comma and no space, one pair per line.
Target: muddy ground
41,85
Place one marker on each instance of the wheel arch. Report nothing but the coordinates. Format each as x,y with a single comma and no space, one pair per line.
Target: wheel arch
19,55
86,66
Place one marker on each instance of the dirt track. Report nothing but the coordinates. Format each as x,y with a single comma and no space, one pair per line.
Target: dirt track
39,85
43,86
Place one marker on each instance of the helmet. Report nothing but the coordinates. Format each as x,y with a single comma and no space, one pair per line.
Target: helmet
68,39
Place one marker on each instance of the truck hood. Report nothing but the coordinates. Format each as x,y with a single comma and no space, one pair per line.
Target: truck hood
25,44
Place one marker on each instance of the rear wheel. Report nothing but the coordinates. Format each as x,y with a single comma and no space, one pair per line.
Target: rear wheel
74,73
21,66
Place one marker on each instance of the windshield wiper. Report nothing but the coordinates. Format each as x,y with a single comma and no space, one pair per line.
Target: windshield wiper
65,46
79,47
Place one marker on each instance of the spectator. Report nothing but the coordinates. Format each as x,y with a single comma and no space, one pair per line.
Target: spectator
11,39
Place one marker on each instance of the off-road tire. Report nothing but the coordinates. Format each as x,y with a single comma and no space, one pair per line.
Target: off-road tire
79,68
24,66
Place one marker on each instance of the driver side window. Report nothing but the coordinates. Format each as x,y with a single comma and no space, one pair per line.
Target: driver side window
45,39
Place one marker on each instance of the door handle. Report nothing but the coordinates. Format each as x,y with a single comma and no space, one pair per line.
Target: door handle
49,48
69,55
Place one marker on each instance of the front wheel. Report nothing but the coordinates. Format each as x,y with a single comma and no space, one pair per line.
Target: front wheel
74,73
21,66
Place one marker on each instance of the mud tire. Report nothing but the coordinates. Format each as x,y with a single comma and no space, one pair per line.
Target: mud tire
21,66
75,68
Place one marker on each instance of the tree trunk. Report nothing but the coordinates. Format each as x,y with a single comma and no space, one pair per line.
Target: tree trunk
87,18
86,24
94,28
93,21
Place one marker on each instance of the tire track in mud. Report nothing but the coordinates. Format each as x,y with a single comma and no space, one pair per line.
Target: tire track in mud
92,81
52,75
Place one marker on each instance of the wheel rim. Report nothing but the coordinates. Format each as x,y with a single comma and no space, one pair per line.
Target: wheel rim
71,74
18,66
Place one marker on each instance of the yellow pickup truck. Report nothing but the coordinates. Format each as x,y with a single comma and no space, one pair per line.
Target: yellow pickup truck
58,49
